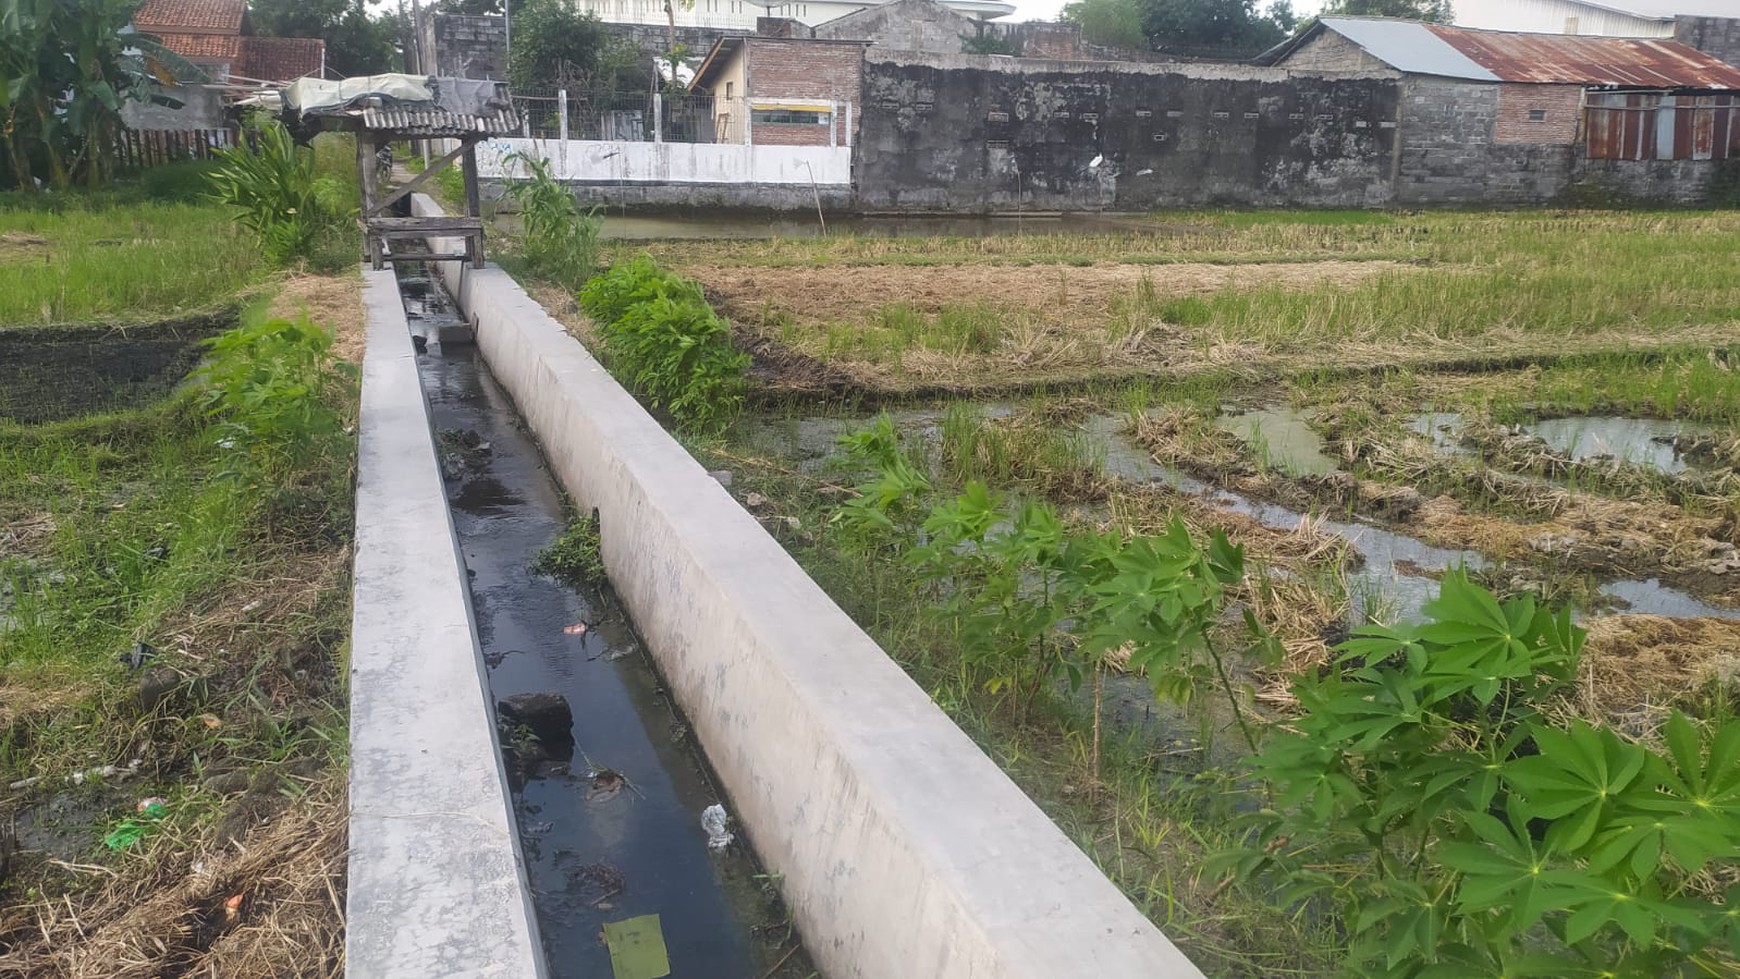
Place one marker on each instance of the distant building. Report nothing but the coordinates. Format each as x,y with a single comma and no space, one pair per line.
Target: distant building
1600,18
1496,94
216,35
742,14
781,91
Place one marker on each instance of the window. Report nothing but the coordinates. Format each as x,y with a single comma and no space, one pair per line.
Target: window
1537,115
790,117
730,90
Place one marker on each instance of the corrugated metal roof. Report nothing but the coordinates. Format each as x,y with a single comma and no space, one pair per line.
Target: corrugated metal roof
439,122
1565,59
1407,45
1665,9
1508,56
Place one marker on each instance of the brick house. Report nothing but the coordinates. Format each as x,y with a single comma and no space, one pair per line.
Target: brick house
217,36
783,91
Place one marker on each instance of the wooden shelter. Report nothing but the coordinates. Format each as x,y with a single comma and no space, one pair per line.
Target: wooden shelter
383,109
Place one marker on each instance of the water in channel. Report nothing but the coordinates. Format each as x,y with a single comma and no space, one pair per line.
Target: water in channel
611,830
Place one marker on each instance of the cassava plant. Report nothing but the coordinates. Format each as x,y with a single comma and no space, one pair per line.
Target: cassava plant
663,339
1426,798
272,386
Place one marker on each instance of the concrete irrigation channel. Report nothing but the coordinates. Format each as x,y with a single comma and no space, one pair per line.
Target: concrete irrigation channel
898,847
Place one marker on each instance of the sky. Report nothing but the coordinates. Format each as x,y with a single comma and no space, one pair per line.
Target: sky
1047,9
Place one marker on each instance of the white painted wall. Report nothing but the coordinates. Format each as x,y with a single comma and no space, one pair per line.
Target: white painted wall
1557,17
598,161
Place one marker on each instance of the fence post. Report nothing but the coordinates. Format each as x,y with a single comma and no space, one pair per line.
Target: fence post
658,117
847,132
833,124
562,113
748,134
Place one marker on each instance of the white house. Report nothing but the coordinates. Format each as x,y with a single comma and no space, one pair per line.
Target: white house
1600,18
741,14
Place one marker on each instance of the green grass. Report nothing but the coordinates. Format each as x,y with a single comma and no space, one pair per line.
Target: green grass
973,328
121,263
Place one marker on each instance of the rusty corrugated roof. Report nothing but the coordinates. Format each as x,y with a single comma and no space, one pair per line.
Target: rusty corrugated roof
1564,59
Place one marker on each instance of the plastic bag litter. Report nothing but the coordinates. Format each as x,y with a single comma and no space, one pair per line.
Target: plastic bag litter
713,820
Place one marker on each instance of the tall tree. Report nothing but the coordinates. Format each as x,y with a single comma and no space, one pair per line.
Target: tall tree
1436,11
554,46
1113,23
1215,28
356,43
66,68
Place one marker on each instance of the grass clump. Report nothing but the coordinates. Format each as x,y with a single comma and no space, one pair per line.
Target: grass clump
576,557
278,191
561,240
661,337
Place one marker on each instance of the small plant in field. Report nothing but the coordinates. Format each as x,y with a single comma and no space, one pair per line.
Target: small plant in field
1426,794
576,556
661,337
278,194
561,239
273,386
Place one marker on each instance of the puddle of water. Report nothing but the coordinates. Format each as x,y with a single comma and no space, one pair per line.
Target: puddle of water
1644,441
1283,437
592,856
1654,598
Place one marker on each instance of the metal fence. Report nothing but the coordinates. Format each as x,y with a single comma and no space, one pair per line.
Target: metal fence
631,117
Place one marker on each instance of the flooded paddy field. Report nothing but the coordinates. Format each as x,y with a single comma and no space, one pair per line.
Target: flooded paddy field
1367,405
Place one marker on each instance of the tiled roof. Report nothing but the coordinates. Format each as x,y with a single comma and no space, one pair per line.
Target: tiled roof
204,48
191,16
281,59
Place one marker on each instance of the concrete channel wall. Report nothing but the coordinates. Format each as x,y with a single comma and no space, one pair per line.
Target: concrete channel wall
437,884
904,852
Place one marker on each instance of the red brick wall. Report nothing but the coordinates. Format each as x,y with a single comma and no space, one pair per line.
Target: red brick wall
800,69
1562,104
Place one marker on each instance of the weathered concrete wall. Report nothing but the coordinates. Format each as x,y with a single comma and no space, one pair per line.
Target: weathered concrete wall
53,372
901,849
436,880
1719,36
970,133
1676,182
461,46
904,25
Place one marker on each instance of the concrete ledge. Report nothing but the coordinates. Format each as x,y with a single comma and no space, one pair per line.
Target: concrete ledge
905,852
437,884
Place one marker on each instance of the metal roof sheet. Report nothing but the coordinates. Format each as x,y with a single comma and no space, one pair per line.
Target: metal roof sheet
1565,59
1407,45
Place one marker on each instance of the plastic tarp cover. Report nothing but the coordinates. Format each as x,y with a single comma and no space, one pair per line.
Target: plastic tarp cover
321,96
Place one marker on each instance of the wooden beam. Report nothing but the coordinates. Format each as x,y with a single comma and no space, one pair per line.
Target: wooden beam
472,207
418,180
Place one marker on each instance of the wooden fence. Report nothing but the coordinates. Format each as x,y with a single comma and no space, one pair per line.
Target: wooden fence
140,149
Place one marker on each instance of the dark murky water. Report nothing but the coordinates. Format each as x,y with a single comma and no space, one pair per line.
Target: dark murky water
598,850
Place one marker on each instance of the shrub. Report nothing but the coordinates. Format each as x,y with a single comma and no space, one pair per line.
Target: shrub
561,239
1458,830
664,340
279,194
273,385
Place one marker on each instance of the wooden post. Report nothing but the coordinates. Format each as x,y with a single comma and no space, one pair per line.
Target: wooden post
366,177
473,209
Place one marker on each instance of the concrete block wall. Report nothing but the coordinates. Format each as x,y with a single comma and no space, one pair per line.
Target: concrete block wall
969,133
901,849
1449,154
1719,36
462,46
